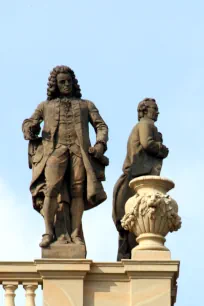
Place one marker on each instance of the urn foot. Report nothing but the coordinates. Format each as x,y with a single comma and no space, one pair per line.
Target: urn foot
150,241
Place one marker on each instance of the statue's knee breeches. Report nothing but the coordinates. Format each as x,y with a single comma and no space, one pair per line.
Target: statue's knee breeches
51,191
78,176
55,170
54,173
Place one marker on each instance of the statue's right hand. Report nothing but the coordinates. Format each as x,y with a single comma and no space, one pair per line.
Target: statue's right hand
30,134
27,136
34,131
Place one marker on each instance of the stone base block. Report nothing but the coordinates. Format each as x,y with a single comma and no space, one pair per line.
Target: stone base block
81,282
150,255
66,251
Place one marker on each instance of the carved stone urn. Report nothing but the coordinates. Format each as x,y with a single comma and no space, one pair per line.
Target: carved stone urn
151,213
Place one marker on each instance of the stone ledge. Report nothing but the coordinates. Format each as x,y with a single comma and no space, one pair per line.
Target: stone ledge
87,283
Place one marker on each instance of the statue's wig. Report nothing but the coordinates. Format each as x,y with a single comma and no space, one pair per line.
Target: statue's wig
52,90
142,107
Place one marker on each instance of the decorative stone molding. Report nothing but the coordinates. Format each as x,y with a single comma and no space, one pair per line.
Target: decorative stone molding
150,214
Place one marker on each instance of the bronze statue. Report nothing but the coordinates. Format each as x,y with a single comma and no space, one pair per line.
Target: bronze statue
66,171
145,152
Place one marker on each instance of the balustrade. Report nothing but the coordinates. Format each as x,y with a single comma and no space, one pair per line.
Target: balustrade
10,288
16,274
82,282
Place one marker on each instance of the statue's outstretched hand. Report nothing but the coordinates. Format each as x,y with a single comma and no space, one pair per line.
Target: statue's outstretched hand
165,151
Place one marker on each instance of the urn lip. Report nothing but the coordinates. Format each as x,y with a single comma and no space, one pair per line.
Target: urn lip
151,181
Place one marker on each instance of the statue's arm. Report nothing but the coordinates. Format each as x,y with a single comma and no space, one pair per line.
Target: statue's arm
149,144
99,125
31,126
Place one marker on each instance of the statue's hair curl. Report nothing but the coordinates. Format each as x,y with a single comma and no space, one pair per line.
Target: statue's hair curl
52,90
142,107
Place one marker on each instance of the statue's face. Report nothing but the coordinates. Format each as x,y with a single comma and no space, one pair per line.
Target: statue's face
65,84
152,111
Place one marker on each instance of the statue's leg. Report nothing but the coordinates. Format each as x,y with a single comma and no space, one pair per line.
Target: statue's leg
77,209
77,192
156,168
126,240
131,242
49,208
123,249
54,173
62,224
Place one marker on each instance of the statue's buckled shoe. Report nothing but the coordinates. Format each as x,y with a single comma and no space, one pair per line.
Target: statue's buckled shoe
46,240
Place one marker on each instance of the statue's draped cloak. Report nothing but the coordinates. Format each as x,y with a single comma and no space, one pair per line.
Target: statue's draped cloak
84,112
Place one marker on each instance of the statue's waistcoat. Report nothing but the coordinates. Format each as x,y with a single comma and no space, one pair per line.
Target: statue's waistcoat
66,133
62,125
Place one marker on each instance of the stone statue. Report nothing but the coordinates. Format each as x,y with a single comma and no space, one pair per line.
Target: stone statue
66,171
145,152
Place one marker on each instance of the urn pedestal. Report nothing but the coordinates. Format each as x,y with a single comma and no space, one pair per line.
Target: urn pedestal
151,214
83,282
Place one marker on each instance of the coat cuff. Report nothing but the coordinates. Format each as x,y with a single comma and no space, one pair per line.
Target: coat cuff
104,144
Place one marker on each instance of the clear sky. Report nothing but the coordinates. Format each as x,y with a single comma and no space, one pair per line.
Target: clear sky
121,52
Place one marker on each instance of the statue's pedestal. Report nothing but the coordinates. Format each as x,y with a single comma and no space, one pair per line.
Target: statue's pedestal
70,250
63,281
80,282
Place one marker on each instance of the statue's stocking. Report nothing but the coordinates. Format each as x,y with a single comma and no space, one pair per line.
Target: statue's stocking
77,208
50,208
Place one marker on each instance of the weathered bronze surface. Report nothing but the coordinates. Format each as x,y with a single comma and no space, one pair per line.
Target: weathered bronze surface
66,171
145,152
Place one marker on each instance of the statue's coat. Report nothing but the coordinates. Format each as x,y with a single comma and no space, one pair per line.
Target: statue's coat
84,112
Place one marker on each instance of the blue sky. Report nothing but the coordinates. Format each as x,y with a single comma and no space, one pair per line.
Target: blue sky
121,52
